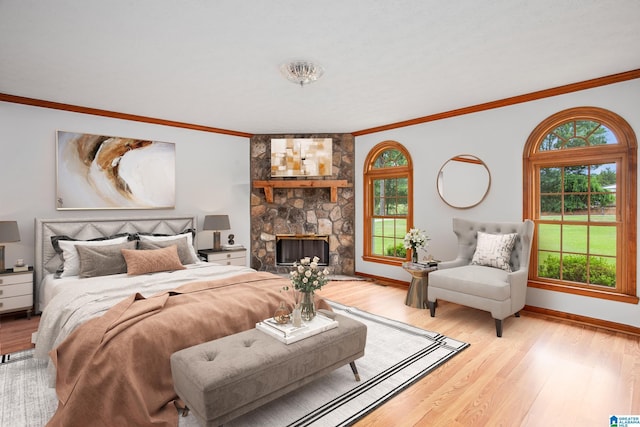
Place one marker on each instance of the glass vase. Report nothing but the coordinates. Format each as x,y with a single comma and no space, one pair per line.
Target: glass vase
307,306
282,314
414,255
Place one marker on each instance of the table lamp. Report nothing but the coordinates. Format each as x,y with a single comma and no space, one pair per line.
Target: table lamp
8,233
216,223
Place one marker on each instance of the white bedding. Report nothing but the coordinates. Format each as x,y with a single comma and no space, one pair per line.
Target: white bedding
71,301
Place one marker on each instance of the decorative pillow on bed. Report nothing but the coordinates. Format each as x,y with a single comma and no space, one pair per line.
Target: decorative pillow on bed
182,243
66,247
189,234
103,260
494,250
152,260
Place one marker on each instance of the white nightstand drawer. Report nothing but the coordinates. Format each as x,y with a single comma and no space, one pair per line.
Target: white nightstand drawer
12,279
232,261
16,290
22,302
225,256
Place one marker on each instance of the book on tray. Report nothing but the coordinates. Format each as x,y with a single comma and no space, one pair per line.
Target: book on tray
287,333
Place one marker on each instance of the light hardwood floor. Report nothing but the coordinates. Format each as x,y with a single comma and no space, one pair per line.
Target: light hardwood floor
15,332
542,372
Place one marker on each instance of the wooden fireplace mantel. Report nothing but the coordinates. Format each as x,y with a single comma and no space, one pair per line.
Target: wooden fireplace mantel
269,185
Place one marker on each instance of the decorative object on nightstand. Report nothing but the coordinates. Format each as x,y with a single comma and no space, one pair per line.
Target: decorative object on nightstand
8,233
20,266
216,223
231,244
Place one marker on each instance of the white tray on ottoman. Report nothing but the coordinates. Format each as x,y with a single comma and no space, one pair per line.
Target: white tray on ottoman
288,333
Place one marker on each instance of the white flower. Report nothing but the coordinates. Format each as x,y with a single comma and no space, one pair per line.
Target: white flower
415,239
306,275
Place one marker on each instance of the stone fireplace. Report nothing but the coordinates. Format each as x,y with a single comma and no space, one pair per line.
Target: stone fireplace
293,247
304,211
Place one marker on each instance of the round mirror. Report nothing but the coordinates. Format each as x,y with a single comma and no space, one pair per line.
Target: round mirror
463,181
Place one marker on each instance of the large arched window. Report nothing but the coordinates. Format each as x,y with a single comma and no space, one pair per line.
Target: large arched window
580,190
388,202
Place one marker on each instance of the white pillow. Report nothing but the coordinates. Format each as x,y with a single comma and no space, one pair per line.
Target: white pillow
71,266
494,250
188,235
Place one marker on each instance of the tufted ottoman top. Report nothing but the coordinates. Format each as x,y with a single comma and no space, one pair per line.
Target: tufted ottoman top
222,379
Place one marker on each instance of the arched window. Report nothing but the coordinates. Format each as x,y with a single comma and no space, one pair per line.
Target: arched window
388,202
580,190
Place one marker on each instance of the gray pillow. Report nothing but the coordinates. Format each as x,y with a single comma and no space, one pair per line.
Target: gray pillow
103,260
184,252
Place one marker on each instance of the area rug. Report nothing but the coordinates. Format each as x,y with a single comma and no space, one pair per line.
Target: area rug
396,356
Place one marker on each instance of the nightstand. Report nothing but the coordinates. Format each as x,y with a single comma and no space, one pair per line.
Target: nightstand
16,291
225,257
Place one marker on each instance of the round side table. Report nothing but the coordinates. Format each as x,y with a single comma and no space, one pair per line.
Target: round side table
417,294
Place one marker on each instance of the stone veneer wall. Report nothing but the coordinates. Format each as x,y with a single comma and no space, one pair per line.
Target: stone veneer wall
303,210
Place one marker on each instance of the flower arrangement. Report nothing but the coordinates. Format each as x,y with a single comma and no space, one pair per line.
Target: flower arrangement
306,276
414,240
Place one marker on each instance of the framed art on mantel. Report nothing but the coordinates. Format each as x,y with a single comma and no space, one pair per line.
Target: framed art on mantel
110,172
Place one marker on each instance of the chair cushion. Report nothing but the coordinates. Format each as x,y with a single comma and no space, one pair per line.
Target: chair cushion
481,281
494,250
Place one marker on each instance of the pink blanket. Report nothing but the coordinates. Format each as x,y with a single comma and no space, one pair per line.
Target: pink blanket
115,370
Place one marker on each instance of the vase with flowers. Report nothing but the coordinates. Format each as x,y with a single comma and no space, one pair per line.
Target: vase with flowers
414,240
307,277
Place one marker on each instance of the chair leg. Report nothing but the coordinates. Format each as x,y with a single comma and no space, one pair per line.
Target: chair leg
432,308
498,327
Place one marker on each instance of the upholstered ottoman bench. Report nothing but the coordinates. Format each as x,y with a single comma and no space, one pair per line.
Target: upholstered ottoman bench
222,379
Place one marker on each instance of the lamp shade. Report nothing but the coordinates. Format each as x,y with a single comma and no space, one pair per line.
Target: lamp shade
216,222
9,232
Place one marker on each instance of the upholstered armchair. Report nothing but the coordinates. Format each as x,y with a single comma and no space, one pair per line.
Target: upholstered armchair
490,271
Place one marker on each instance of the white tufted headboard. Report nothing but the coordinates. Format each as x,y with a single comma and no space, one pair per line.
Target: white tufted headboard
47,260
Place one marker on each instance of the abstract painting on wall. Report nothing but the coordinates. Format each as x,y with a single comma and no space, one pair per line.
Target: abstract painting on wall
110,172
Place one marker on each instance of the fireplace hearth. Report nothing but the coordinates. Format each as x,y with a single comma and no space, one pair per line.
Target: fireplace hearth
293,247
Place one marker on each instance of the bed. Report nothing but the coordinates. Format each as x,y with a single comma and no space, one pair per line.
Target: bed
109,337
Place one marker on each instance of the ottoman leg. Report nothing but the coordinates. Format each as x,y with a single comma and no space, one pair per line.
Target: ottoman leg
355,370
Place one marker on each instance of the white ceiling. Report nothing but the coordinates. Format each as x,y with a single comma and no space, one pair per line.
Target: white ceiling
216,62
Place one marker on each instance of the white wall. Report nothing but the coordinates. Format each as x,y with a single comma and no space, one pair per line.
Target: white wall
212,172
497,137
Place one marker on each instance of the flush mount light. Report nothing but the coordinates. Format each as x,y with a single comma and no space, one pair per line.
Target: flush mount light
301,72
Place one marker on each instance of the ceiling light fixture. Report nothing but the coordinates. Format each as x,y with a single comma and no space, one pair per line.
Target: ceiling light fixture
301,72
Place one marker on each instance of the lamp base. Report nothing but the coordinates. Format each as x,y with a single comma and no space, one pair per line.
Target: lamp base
216,241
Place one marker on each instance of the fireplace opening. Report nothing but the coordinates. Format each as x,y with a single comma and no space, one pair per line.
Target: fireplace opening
293,247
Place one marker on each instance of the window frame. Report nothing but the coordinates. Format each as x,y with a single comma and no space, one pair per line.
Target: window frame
369,176
624,153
